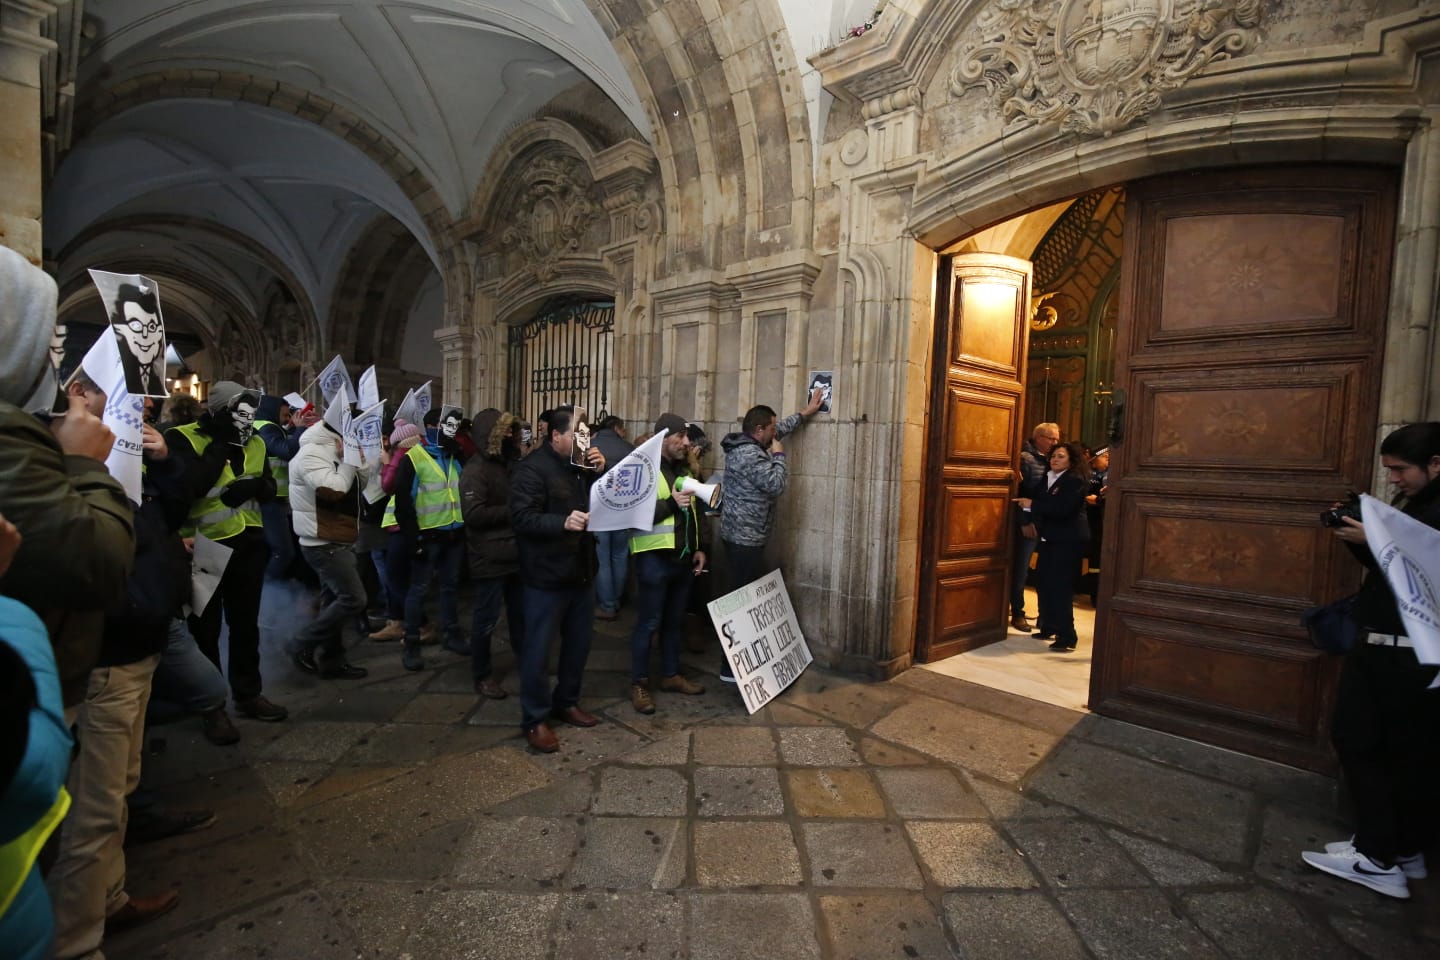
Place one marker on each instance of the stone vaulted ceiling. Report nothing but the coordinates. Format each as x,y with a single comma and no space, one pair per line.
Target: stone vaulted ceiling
438,82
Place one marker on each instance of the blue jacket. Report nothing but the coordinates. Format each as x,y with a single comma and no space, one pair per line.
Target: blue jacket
28,926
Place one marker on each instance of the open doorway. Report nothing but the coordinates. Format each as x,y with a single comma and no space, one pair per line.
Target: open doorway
1067,375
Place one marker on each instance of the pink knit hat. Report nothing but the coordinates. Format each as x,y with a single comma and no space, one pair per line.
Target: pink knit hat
405,434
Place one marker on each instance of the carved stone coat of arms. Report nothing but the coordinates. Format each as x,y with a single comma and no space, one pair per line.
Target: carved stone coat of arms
1096,66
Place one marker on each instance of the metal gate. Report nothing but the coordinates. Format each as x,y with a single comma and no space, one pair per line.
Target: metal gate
561,356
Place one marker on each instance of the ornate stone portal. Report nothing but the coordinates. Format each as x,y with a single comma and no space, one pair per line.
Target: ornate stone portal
1097,66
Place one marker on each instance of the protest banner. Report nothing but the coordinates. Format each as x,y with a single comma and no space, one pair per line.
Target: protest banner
761,638
1408,553
124,413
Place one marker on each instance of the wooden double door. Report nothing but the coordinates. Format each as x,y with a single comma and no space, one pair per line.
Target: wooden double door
1248,364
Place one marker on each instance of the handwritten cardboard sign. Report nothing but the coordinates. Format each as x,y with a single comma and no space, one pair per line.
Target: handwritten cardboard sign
761,638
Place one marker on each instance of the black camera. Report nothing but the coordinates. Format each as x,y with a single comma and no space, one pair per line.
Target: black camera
1335,516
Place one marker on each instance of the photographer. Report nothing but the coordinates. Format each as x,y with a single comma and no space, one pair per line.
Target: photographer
1385,714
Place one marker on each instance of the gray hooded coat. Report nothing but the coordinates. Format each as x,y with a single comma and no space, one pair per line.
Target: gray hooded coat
74,517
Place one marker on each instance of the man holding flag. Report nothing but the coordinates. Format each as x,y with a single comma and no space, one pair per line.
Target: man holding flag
668,558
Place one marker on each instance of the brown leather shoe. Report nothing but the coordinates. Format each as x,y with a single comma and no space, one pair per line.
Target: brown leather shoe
576,717
680,684
1020,623
640,698
607,615
542,738
138,910
489,689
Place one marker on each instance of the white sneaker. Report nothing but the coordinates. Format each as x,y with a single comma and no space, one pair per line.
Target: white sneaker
1354,866
1412,866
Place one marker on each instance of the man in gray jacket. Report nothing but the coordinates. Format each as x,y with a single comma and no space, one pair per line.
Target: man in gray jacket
755,475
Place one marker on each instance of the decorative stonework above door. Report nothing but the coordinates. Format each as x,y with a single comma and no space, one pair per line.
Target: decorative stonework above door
555,207
1096,66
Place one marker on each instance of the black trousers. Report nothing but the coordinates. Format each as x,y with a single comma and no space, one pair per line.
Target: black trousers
1386,731
1055,571
239,598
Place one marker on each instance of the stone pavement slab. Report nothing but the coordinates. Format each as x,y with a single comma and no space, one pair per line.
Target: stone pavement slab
1239,919
752,926
996,747
1004,925
884,925
729,746
485,923
644,792
599,924
1122,924
1204,816
517,853
631,853
738,792
968,854
743,853
835,792
859,855
1076,854
929,793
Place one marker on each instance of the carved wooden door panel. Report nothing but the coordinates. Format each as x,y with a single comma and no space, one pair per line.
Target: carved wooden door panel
1251,329
973,452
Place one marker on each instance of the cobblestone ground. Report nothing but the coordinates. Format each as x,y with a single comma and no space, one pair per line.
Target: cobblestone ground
924,817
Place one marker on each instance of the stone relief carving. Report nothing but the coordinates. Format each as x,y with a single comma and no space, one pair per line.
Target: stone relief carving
554,208
1096,66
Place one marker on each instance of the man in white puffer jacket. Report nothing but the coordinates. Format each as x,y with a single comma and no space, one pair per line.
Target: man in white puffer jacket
324,508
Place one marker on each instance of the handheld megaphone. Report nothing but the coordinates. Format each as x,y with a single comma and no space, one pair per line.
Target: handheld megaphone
707,492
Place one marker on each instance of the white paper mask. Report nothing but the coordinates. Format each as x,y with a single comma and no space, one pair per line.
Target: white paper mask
449,426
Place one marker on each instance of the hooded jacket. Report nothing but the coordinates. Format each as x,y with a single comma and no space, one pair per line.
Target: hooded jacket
485,497
324,490
754,480
75,518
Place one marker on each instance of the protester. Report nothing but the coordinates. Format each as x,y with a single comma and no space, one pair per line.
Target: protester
1034,462
227,476
668,558
74,518
549,506
400,537
612,547
280,428
424,486
35,749
87,880
325,506
494,561
755,475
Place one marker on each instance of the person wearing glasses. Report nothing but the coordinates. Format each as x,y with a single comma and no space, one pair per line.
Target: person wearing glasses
1034,461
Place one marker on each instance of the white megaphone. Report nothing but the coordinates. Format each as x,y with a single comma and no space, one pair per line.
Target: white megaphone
707,492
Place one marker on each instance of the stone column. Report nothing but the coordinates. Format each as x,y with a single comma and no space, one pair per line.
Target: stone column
22,49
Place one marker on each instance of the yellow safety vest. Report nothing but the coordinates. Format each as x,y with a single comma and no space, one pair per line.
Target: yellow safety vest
279,467
19,855
662,535
207,514
437,493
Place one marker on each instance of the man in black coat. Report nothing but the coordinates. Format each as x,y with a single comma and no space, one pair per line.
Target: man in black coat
549,506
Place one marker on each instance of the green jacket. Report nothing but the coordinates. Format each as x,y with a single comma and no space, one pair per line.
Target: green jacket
78,543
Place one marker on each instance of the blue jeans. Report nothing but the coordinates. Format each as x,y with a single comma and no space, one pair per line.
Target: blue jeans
1019,571
275,517
444,554
186,681
489,592
334,564
574,610
399,557
660,605
613,550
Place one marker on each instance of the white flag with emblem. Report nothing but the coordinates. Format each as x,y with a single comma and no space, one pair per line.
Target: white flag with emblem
1408,553
369,390
124,413
335,377
624,498
362,437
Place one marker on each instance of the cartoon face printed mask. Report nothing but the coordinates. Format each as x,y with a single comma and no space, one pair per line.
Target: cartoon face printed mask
142,331
243,417
449,426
